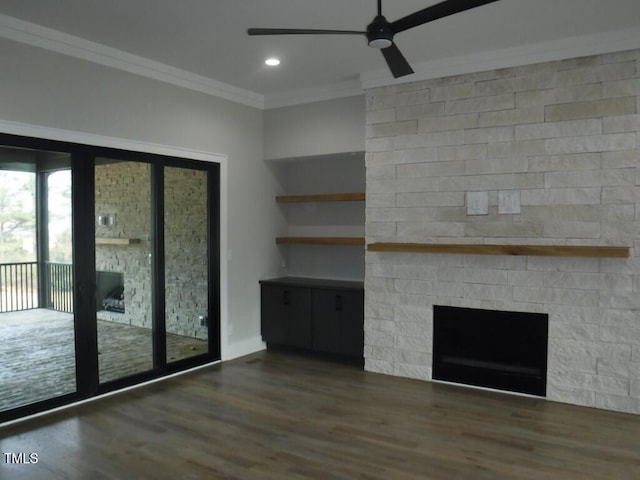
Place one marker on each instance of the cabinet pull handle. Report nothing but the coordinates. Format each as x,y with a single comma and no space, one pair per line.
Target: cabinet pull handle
338,303
286,298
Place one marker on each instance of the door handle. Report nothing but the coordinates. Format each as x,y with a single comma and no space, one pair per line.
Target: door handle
338,303
286,297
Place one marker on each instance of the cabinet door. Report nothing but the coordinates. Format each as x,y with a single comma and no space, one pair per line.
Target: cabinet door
338,322
272,314
326,320
352,324
286,315
298,316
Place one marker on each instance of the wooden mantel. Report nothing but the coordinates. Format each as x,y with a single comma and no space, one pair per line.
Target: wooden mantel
117,241
482,249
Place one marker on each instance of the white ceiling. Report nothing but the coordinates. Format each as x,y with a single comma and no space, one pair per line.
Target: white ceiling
208,37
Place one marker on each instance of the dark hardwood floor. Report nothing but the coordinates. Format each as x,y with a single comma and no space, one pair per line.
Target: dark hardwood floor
273,415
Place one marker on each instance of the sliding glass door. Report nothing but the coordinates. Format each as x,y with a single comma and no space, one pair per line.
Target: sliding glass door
37,353
150,255
109,270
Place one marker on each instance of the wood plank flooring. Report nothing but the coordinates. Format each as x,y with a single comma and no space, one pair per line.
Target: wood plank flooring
273,415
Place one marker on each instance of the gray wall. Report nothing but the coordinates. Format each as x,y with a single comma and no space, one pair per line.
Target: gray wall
48,89
319,128
52,90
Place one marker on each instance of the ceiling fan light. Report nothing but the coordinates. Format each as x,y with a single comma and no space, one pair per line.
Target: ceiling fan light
380,43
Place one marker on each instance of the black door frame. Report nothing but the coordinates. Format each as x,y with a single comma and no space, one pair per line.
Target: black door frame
84,266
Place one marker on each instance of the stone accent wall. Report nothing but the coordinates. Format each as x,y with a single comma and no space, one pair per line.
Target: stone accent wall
186,247
123,189
554,151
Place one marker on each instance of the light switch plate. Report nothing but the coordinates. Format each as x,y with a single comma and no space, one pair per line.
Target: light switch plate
477,203
509,202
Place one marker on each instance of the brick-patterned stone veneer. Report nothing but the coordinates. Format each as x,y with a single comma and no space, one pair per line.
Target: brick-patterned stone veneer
123,189
186,247
564,138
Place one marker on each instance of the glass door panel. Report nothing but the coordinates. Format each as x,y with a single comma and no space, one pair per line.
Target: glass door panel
123,268
186,262
57,344
37,339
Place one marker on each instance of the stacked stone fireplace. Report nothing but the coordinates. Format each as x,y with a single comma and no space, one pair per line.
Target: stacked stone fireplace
544,154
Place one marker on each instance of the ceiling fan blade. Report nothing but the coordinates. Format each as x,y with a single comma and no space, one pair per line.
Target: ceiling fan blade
300,31
397,63
434,12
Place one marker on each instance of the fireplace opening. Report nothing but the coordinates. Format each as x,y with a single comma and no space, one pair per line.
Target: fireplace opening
110,291
489,348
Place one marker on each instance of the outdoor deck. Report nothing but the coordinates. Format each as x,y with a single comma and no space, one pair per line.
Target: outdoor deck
38,356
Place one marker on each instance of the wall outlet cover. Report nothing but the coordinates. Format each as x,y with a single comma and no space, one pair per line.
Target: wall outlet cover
509,202
477,203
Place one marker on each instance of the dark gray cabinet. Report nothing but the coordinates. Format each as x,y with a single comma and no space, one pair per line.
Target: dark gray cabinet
322,315
286,315
337,321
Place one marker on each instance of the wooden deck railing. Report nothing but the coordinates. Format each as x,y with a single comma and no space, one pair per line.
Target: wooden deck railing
60,287
19,286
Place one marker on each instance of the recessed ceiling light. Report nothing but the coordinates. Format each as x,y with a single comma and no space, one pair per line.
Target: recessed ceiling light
272,62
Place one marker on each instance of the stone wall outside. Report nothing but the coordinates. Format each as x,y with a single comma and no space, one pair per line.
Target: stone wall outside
123,189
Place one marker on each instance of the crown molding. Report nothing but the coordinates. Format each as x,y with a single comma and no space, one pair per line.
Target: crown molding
573,47
35,35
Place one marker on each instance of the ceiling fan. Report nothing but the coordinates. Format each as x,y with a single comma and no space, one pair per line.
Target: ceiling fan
380,31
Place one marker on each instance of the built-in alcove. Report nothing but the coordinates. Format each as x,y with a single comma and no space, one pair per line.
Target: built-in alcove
488,348
321,201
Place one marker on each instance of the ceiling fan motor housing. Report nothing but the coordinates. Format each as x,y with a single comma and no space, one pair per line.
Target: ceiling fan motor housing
379,33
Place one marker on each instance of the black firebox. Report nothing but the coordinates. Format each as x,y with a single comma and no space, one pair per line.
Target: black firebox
110,291
489,348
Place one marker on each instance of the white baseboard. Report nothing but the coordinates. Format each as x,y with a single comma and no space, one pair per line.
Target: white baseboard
242,348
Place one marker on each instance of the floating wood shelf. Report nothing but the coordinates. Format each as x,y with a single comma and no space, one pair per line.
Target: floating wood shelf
325,197
117,241
321,240
533,250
